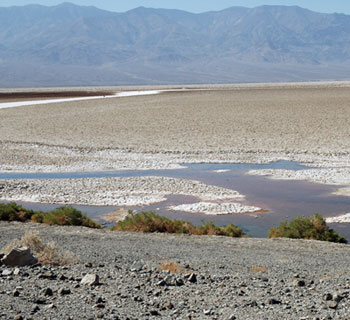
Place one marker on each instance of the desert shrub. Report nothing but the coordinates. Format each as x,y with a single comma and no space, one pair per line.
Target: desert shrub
48,253
151,222
60,216
314,228
14,212
65,216
229,230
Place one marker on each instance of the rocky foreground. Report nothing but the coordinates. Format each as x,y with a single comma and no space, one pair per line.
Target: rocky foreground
218,277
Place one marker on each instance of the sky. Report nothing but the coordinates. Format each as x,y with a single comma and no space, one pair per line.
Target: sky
327,6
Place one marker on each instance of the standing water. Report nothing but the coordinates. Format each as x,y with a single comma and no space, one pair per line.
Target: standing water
282,199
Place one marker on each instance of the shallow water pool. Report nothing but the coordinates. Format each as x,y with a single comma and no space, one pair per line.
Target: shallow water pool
283,199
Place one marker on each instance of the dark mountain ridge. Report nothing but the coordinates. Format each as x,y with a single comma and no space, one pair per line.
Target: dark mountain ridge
153,46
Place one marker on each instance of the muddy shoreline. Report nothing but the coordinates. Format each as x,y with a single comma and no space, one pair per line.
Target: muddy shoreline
16,95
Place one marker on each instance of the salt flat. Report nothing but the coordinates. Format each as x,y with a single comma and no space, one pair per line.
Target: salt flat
300,122
238,123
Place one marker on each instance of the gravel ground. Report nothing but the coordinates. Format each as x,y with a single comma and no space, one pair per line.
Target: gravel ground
222,278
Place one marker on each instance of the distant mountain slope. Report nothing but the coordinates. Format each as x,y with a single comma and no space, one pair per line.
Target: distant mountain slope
76,45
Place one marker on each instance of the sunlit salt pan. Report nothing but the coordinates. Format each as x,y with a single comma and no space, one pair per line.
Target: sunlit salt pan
211,208
117,95
340,219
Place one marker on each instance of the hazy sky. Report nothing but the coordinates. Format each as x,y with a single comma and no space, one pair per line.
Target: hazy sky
342,6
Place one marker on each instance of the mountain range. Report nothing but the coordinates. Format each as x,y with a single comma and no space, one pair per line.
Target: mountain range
83,45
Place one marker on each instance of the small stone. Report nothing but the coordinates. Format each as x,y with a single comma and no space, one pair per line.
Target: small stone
16,293
50,306
232,317
179,282
337,297
18,317
47,292
47,275
62,277
327,297
273,301
40,301
90,280
333,304
299,283
88,265
64,291
161,283
16,272
254,304
19,257
207,312
7,272
154,313
35,309
136,266
170,306
192,278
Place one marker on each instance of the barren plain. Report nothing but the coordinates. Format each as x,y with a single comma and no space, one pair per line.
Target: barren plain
306,122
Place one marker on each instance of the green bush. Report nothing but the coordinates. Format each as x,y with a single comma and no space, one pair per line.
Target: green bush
151,222
314,228
65,216
13,212
60,216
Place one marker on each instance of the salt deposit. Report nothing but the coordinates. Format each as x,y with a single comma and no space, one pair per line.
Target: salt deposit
340,219
334,176
6,105
212,208
110,191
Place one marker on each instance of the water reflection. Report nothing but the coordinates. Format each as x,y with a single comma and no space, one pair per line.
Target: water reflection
284,200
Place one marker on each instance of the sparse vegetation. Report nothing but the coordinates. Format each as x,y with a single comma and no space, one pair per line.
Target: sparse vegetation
151,222
48,253
259,269
60,216
314,228
67,216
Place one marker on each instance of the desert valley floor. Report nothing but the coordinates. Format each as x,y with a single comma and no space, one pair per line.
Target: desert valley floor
305,123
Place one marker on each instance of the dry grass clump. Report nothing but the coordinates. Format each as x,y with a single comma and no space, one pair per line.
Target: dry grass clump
151,222
259,269
171,266
48,253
